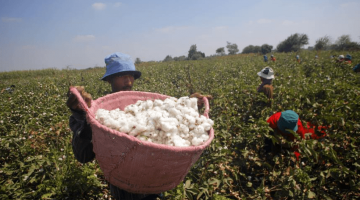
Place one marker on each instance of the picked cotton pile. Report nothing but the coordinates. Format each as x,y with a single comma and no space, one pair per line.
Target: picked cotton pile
174,122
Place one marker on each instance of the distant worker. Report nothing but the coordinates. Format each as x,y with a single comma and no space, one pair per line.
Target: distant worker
265,58
357,68
266,77
340,59
347,59
273,58
298,59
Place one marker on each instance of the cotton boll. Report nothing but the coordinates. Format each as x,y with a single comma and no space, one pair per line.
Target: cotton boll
142,138
158,103
204,137
111,123
149,104
174,112
199,130
180,118
133,109
201,119
190,118
179,142
210,121
115,113
194,114
102,114
196,141
137,130
183,129
125,129
193,103
192,126
206,126
146,133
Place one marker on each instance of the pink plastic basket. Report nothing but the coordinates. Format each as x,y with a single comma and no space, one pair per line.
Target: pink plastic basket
134,165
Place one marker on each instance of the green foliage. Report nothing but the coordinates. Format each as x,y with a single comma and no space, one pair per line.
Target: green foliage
232,48
251,49
323,43
137,61
36,159
293,43
168,58
194,54
344,43
265,48
220,51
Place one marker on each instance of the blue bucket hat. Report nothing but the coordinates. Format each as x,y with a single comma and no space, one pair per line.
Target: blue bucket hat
348,56
120,63
288,120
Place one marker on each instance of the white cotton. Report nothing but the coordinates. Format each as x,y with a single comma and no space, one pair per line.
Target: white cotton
174,122
193,103
158,102
137,130
183,129
199,130
190,118
206,126
196,141
180,142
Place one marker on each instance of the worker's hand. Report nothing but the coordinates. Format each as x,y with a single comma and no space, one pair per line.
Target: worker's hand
200,97
73,102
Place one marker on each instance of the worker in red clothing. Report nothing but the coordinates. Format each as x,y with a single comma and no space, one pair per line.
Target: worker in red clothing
347,59
281,123
273,58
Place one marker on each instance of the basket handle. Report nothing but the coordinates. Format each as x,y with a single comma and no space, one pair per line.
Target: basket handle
207,107
82,102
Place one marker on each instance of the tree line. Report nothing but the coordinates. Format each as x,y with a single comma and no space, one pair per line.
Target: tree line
293,43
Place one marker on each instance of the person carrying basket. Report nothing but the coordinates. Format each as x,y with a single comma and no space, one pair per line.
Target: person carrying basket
120,74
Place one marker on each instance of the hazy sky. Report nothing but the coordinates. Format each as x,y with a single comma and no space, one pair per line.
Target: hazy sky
38,34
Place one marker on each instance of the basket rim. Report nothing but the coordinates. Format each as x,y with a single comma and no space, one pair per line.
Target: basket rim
93,122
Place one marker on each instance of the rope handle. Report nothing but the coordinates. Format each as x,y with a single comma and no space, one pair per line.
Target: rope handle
207,107
82,102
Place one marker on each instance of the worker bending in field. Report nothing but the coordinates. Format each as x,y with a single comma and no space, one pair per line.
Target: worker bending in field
266,76
340,59
272,58
281,123
347,59
120,74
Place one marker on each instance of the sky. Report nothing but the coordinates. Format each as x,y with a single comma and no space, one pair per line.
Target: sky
79,34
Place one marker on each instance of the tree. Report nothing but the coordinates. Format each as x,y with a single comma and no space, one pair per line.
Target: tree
344,43
180,58
232,48
220,51
137,61
323,43
293,43
265,48
194,54
168,58
192,51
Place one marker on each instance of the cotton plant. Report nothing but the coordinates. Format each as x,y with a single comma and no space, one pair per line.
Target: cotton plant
173,122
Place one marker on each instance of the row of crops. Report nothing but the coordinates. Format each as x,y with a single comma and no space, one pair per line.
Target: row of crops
36,159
